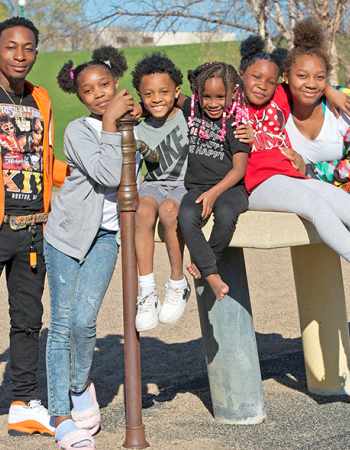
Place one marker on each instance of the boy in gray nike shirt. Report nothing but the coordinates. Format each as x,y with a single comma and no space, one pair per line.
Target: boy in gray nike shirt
165,131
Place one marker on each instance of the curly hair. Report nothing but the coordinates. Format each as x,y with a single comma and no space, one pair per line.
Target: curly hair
109,57
253,49
155,63
202,73
309,39
17,21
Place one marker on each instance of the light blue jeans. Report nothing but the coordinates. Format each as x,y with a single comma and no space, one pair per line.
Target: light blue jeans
76,291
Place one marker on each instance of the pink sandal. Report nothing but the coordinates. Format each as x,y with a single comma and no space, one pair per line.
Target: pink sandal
89,419
74,437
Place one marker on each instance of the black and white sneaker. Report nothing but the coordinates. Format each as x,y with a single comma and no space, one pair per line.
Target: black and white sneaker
147,312
174,303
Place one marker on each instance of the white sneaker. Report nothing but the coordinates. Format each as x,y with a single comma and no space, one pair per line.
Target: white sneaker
29,418
174,303
147,312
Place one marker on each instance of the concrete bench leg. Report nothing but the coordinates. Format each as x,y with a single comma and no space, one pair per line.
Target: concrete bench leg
323,319
230,346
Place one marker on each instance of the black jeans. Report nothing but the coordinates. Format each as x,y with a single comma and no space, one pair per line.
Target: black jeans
227,208
25,287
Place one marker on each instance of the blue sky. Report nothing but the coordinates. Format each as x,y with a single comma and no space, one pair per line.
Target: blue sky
100,8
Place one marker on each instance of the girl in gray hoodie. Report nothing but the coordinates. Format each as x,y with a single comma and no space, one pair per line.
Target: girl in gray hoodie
81,243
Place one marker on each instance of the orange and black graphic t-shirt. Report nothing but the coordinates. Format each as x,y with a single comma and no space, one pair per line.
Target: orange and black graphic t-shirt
21,145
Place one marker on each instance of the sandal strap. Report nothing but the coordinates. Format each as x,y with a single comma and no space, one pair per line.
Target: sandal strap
74,437
89,413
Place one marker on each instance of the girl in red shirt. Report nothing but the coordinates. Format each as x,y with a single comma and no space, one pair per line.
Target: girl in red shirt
274,183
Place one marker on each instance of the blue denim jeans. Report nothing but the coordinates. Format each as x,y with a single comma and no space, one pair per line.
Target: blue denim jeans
76,291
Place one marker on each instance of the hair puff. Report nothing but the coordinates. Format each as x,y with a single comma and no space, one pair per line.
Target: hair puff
253,49
65,78
111,57
251,46
308,34
308,40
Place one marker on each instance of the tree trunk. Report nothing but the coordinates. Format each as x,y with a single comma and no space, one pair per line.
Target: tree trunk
259,8
333,54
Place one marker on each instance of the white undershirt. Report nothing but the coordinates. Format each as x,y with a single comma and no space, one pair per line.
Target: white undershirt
327,146
110,215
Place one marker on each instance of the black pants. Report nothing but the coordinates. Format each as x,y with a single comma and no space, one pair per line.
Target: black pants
25,287
226,210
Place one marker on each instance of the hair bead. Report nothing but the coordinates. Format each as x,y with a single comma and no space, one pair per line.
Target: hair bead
198,78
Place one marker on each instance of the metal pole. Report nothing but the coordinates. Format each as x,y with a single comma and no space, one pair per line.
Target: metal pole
127,198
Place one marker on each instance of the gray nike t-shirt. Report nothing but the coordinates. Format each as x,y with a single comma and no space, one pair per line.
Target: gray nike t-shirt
170,139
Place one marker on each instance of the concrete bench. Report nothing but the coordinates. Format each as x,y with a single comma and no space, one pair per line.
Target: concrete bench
228,330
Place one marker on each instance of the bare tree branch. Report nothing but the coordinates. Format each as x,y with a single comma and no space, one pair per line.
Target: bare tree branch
267,17
215,19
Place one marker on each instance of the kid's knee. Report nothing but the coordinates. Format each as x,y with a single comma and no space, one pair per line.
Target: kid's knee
168,213
145,216
84,327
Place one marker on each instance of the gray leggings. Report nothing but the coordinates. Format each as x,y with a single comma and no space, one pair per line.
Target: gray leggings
324,205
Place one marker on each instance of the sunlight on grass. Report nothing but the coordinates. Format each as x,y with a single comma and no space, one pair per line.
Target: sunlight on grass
68,107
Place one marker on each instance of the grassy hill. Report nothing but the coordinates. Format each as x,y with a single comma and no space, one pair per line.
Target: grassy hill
68,107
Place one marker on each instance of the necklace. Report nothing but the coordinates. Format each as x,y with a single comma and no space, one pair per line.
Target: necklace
10,98
21,121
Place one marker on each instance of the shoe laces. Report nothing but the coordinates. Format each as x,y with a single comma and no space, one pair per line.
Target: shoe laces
176,295
36,404
147,302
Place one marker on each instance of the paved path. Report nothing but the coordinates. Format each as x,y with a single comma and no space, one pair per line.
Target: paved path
176,397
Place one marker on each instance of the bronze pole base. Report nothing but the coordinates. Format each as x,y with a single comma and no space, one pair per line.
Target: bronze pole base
135,437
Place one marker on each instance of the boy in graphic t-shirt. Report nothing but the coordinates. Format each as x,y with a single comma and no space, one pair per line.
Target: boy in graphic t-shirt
164,130
27,169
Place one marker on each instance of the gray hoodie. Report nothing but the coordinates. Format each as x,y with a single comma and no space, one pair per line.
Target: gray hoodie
95,166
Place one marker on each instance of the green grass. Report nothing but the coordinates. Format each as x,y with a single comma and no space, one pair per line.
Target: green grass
67,106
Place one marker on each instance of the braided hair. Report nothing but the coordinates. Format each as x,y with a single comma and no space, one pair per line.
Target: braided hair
202,73
198,78
109,57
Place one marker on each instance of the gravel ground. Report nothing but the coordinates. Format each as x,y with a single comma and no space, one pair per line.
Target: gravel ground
176,396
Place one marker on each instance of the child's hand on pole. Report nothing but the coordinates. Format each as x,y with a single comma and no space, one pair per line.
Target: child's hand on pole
121,104
137,111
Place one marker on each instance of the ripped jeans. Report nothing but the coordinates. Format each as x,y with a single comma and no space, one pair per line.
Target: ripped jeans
76,291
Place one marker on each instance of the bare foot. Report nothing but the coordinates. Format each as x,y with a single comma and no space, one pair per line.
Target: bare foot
219,288
193,270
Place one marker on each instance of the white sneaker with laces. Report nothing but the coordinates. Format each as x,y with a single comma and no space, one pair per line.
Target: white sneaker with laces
147,312
174,303
29,418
